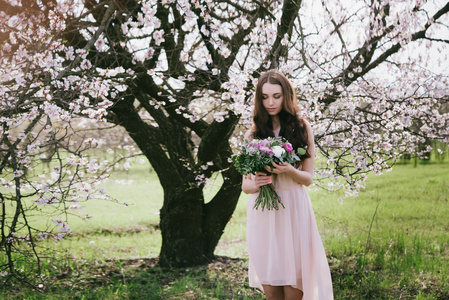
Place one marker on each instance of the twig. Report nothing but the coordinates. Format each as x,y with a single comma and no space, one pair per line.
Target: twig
369,231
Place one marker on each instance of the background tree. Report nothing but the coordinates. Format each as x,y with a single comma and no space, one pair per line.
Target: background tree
178,76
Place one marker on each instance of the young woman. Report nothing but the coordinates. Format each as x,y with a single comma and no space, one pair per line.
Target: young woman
286,255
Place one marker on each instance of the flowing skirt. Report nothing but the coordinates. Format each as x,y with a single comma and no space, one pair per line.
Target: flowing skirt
284,245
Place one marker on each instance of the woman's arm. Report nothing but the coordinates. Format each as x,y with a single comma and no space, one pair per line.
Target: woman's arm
305,175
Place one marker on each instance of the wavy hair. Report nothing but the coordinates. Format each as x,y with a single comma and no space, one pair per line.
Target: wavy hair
293,128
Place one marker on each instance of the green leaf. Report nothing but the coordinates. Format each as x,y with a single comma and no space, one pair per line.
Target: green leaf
301,151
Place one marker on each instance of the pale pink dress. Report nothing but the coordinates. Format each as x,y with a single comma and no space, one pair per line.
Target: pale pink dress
284,245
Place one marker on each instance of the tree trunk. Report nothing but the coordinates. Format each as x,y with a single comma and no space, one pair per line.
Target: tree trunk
191,229
219,210
181,226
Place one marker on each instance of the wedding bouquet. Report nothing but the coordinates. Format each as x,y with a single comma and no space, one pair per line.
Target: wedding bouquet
254,155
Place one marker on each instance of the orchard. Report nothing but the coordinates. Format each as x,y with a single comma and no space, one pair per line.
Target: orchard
178,77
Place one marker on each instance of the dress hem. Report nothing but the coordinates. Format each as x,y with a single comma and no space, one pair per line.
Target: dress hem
262,284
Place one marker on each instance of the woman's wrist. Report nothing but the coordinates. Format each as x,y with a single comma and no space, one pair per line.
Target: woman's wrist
291,170
250,187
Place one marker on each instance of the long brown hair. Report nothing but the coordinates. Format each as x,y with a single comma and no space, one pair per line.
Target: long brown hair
293,128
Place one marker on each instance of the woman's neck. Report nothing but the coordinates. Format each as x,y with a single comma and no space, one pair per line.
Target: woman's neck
275,122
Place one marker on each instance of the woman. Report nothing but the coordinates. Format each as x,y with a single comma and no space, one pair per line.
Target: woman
286,255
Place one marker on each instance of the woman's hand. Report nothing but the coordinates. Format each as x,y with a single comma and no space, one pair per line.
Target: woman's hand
262,179
279,168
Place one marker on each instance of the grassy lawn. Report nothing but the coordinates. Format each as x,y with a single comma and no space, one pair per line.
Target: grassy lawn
390,242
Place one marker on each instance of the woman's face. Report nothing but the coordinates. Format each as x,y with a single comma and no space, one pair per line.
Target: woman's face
272,98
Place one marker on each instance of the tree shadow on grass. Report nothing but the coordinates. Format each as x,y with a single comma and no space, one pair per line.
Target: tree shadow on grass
142,278
222,278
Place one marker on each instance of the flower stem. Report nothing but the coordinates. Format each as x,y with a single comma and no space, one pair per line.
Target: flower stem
268,198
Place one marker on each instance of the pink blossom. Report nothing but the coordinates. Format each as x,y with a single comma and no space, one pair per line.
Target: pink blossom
100,44
263,143
158,37
85,64
58,221
266,150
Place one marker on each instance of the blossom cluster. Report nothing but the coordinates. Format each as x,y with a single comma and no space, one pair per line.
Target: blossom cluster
45,86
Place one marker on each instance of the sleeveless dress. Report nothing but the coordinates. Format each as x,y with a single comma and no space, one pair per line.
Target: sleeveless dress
284,245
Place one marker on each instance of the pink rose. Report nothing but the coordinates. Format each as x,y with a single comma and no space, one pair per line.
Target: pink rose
266,149
288,147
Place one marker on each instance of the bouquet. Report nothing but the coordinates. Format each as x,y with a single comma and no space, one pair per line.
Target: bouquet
254,155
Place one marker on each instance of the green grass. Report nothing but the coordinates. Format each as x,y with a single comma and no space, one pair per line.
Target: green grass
390,242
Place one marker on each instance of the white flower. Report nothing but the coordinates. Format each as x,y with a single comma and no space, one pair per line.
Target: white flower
348,143
58,222
245,23
100,44
184,57
126,165
125,28
64,227
85,64
33,148
278,151
225,52
18,173
158,37
284,41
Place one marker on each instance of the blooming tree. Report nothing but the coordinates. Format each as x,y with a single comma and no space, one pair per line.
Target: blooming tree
178,76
